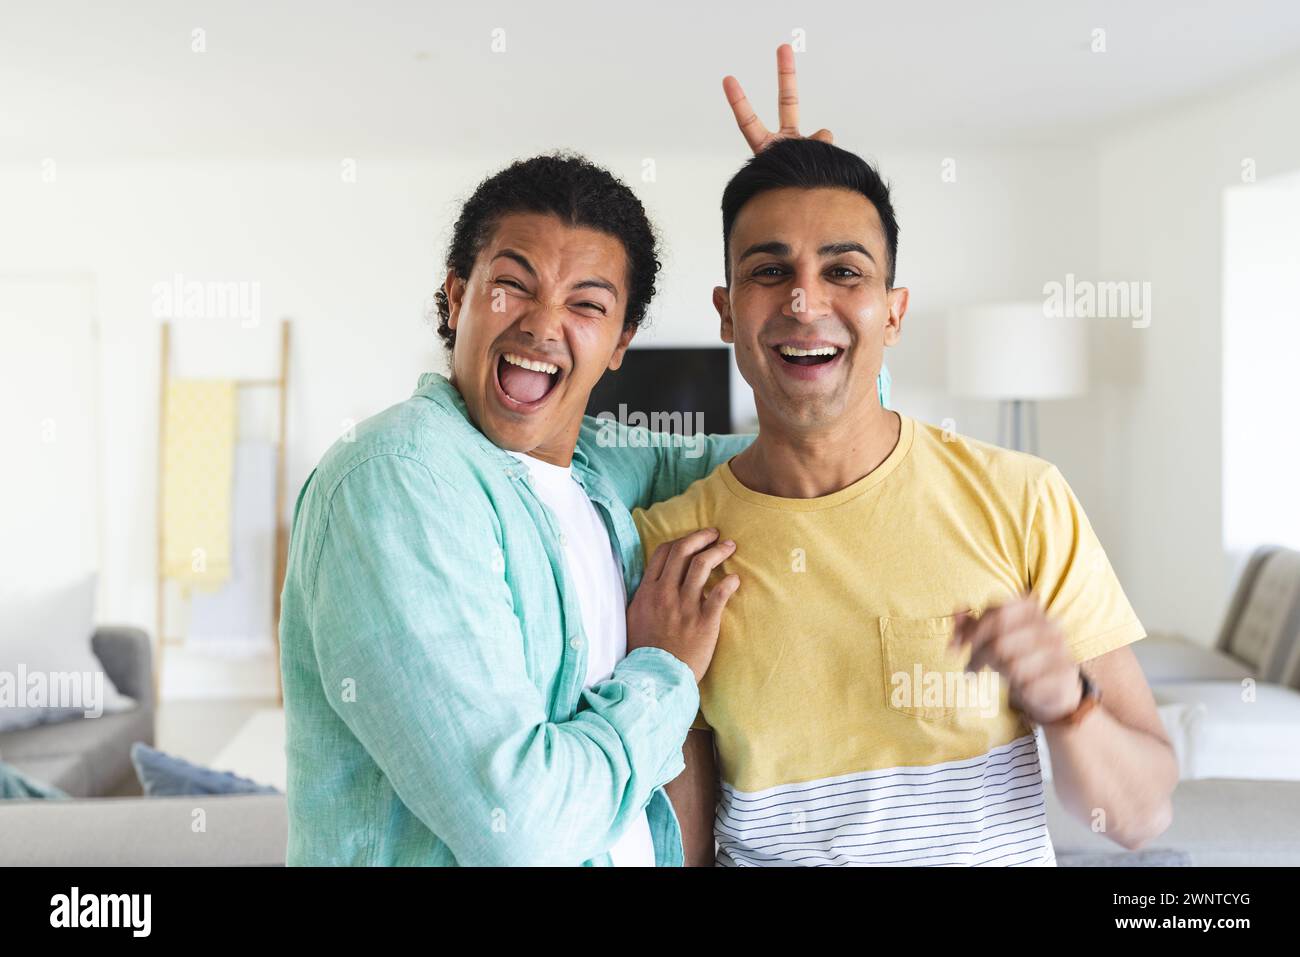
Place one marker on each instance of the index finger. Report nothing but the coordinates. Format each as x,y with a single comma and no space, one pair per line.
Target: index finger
751,127
683,550
787,96
997,621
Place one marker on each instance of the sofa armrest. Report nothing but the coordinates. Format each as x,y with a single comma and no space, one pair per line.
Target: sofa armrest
127,656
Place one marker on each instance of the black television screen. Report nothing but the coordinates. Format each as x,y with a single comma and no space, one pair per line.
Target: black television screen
668,390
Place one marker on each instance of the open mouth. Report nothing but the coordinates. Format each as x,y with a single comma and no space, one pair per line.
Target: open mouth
808,363
525,383
821,355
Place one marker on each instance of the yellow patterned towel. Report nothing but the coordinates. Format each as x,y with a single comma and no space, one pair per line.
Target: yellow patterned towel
198,463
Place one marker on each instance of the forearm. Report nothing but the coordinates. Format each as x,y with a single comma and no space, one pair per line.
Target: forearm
1114,778
694,795
501,786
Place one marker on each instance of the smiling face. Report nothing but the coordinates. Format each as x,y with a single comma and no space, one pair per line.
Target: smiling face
808,309
538,321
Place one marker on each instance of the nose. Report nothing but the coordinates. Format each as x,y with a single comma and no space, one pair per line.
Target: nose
809,300
543,321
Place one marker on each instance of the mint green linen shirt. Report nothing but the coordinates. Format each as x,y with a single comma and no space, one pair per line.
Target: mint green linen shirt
433,654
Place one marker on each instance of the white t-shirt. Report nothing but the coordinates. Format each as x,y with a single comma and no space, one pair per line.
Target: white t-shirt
597,575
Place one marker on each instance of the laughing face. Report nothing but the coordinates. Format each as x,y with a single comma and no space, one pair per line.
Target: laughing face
808,309
538,321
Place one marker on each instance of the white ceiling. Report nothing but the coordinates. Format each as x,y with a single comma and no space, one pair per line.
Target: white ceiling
108,79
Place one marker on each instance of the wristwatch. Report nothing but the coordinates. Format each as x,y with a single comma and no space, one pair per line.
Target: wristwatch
1088,700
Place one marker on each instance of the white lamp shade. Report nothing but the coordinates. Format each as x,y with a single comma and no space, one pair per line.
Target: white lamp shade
1011,350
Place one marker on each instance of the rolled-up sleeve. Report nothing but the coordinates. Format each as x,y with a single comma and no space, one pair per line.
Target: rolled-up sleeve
421,654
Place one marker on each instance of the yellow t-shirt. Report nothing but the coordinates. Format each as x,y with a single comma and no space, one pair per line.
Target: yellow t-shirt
846,732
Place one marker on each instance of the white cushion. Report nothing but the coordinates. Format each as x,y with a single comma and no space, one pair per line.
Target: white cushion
48,630
1240,729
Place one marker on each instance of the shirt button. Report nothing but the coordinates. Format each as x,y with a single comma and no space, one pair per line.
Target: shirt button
575,642
564,540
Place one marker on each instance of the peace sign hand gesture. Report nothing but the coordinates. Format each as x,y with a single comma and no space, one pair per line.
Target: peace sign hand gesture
756,134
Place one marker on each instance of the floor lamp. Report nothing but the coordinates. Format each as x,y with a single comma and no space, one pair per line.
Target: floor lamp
1014,353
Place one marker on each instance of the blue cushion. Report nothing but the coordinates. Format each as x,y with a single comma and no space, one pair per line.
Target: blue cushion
162,775
18,786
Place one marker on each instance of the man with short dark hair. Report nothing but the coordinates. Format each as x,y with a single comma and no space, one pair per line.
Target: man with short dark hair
846,718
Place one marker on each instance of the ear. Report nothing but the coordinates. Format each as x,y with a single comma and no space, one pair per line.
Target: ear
454,289
722,303
624,340
897,309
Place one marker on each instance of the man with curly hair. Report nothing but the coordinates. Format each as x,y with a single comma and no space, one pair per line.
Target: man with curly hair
464,680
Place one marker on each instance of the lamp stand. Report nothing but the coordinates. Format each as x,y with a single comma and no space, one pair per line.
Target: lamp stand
1018,425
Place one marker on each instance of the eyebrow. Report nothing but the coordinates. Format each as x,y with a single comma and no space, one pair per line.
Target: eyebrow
518,258
776,248
595,282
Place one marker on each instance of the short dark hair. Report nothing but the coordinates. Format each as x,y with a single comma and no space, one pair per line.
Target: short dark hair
580,193
808,164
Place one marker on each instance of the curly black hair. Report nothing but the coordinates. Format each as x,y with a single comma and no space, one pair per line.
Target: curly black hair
579,192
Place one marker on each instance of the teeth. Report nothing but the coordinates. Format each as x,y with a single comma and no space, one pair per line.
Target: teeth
821,351
531,364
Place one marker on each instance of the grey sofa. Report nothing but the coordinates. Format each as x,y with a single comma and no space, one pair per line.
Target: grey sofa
237,830
91,757
1216,822
1240,707
1259,637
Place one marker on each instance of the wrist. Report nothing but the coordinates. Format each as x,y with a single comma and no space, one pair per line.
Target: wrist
1089,696
658,653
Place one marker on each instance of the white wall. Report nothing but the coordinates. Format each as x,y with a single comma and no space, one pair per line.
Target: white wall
1261,346
1160,201
49,522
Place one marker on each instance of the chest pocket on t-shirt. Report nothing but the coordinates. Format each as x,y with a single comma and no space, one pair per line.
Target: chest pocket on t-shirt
923,677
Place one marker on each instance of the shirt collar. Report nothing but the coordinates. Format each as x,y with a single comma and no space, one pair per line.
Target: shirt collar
438,388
